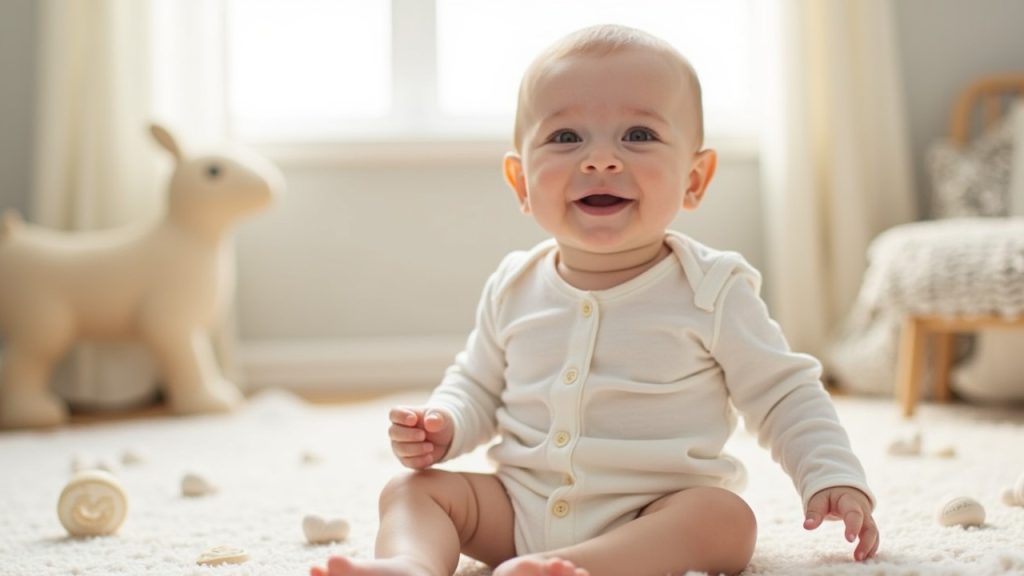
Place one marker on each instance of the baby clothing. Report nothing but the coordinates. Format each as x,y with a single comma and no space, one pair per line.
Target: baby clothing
608,400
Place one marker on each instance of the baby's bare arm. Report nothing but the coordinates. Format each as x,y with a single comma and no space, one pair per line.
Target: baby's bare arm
420,436
851,506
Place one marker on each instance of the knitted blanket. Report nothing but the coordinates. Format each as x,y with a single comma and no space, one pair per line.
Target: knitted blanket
970,265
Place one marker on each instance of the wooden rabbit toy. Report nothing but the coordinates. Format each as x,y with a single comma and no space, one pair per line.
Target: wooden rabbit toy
163,282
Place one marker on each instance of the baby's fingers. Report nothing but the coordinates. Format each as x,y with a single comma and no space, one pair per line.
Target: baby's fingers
435,421
817,510
411,449
856,515
403,416
421,462
851,510
853,520
399,433
415,455
868,545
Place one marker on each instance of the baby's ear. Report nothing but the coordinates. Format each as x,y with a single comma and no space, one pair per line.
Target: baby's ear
701,172
512,166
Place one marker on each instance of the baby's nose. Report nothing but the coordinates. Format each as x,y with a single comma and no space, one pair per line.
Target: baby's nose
601,160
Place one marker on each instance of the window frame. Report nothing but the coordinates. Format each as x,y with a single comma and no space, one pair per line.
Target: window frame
416,132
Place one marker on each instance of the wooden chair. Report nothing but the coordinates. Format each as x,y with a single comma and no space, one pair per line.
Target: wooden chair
979,106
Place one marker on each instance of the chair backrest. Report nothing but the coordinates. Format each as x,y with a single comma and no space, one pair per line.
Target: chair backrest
991,97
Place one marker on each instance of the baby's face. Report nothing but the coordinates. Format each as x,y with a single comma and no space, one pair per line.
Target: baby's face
608,147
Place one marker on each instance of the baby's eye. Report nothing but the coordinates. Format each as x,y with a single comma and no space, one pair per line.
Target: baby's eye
640,134
565,137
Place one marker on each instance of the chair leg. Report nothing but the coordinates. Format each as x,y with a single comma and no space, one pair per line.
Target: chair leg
912,341
943,362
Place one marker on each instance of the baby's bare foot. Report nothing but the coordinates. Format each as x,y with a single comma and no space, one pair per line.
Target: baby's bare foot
534,566
338,566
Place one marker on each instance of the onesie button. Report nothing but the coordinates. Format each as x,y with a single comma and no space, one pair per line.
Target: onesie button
562,438
571,375
568,480
586,308
560,509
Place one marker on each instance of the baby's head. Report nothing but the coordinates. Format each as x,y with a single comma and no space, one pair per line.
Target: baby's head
609,140
601,41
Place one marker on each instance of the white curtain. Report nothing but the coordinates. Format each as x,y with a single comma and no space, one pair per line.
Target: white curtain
835,156
107,68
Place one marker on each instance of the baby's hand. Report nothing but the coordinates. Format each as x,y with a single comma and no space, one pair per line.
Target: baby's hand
420,437
852,507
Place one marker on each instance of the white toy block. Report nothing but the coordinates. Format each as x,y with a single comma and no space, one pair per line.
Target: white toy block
93,503
163,282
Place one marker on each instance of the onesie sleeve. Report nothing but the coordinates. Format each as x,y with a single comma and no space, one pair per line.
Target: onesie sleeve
470,391
779,392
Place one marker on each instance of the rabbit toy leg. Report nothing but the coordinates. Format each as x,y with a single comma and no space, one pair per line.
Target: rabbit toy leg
29,357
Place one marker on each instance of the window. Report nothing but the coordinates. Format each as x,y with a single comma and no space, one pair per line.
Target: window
434,70
308,68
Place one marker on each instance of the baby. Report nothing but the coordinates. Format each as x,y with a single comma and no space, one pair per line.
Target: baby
611,360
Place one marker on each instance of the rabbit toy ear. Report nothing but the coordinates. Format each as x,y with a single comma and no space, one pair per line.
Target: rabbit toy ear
164,138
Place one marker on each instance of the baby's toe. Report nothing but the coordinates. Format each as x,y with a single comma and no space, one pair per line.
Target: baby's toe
559,567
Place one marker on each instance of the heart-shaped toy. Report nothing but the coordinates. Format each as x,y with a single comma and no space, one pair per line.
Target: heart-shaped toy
322,531
194,486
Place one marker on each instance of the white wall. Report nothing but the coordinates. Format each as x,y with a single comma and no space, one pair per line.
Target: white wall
359,265
944,45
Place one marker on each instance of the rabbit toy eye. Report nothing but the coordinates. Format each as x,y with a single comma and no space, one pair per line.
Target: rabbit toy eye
213,171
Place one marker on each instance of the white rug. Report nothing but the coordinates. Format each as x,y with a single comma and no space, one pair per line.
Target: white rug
256,456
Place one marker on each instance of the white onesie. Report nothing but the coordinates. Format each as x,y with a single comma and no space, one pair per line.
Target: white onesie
607,400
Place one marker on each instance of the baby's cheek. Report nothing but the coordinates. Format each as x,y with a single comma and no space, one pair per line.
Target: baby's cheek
547,178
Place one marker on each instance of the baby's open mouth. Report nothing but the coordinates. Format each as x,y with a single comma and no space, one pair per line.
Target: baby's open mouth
602,200
602,204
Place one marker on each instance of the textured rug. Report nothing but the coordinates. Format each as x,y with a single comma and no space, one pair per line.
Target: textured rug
279,459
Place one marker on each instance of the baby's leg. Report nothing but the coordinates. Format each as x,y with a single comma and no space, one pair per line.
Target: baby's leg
427,518
703,529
